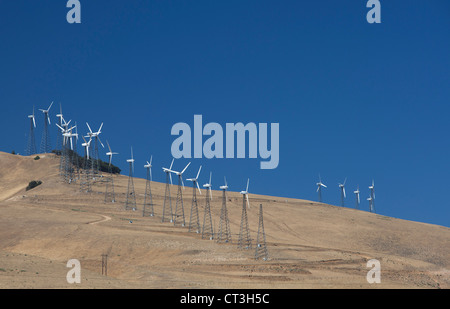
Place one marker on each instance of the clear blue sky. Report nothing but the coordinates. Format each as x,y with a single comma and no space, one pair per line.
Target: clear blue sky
353,99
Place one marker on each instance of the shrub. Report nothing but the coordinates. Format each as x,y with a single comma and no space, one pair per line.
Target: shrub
33,184
37,157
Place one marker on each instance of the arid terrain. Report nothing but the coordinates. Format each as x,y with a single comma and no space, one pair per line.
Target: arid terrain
310,245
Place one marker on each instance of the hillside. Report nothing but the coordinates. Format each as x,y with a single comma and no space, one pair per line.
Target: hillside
310,245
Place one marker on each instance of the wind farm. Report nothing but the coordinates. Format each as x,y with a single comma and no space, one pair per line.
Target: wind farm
299,243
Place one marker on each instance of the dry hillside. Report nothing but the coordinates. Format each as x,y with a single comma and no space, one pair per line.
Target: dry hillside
310,245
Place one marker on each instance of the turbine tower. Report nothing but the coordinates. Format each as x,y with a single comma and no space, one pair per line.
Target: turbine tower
95,157
148,199
357,197
45,141
167,193
244,240
342,187
261,248
130,201
85,183
110,195
224,234
372,197
194,221
319,188
179,209
208,231
59,140
31,147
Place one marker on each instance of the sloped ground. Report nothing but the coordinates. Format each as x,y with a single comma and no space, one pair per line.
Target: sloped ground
310,245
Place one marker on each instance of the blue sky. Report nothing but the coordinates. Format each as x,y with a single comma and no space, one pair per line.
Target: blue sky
353,99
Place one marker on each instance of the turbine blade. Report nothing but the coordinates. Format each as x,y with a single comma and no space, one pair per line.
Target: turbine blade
198,172
198,188
89,127
210,193
343,188
108,146
248,180
98,137
34,122
210,174
100,129
151,178
171,164
151,157
185,168
170,176
248,203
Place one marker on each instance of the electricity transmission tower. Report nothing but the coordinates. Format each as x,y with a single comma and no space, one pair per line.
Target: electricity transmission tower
261,248
148,199
224,234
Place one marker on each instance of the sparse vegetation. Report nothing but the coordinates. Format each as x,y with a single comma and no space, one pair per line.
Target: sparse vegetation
37,158
33,184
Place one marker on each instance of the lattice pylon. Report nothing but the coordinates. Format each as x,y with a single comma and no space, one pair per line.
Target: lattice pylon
194,221
179,208
130,202
110,196
167,200
148,199
224,234
261,247
31,146
45,141
207,231
244,241
85,181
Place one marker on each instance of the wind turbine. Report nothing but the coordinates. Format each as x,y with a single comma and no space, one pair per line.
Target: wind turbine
31,149
245,194
95,136
207,220
224,234
168,172
110,154
342,187
357,197
319,188
372,196
45,142
179,209
194,221
109,182
131,196
244,240
85,184
148,190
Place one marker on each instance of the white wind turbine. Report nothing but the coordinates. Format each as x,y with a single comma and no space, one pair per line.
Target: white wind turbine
208,186
319,188
86,146
342,187
357,197
148,166
46,111
195,180
372,196
179,209
110,153
245,194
